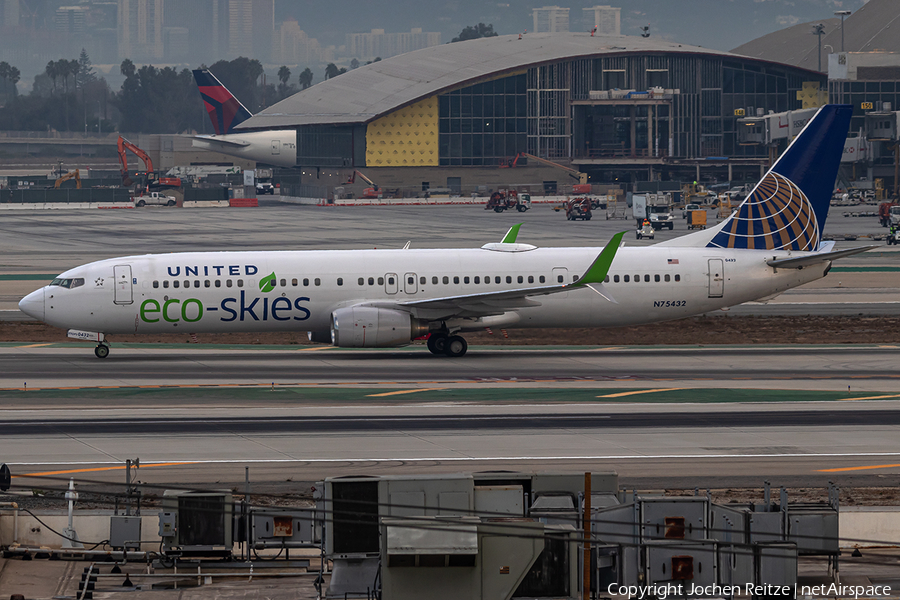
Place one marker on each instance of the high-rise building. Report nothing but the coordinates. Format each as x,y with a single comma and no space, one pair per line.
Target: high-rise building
550,19
607,19
292,46
251,25
140,25
9,12
377,43
70,20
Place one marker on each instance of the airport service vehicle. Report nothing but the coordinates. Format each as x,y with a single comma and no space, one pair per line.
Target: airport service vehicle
893,237
697,219
154,199
688,208
655,207
894,215
646,231
502,200
387,298
265,187
578,208
275,147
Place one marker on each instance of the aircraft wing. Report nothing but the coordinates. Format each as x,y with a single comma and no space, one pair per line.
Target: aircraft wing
221,140
815,259
487,303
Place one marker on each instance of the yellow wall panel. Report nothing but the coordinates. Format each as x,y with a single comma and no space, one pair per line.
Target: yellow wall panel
405,138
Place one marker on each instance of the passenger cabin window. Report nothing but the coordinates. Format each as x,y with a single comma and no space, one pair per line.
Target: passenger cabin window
156,284
606,280
284,283
647,278
371,281
678,278
240,283
509,279
317,281
340,281
361,281
626,278
187,284
656,278
422,280
497,279
306,282
667,278
615,279
294,282
531,279
176,283
476,280
218,283
196,283
446,280
390,281
434,280
227,283
411,280
456,279
206,283
466,279
541,279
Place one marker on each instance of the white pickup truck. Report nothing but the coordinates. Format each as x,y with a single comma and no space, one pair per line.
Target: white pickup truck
154,198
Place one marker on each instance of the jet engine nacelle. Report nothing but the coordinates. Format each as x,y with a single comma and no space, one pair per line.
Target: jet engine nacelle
371,327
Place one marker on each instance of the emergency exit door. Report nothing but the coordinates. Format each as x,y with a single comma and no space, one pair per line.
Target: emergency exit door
716,277
122,275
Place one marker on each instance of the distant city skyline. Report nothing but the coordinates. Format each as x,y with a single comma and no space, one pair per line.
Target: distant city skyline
187,33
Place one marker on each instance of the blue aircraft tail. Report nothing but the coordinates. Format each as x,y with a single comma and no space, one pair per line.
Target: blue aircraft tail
225,111
788,207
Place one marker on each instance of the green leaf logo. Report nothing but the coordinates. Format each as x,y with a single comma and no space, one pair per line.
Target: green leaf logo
267,283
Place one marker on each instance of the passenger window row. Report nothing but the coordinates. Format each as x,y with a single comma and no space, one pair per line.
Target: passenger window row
637,278
228,283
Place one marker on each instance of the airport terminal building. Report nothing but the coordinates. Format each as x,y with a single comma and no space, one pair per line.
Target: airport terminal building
619,108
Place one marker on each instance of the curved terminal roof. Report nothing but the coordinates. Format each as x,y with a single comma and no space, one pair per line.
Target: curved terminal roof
865,30
370,91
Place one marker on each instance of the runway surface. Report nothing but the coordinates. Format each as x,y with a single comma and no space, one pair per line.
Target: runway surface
688,445
811,367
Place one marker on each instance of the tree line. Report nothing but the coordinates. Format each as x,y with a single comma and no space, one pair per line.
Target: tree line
69,96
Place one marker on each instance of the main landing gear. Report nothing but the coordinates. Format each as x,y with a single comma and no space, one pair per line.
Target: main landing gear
448,345
101,351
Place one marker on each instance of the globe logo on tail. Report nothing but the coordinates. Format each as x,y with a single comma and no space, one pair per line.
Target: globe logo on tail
777,215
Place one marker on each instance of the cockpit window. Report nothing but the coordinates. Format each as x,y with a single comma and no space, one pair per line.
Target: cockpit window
68,283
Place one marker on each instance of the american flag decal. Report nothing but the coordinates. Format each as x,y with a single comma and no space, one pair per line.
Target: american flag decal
673,261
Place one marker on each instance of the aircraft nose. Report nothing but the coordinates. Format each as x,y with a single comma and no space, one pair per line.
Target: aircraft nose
33,304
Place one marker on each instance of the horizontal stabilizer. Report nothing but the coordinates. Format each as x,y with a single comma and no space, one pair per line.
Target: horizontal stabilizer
221,140
815,259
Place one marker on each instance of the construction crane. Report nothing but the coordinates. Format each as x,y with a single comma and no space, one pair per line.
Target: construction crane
573,173
152,180
369,192
70,175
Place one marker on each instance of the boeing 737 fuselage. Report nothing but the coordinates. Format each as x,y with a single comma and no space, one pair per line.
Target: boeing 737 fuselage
387,298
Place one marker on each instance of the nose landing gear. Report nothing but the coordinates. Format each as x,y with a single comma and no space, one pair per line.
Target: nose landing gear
101,351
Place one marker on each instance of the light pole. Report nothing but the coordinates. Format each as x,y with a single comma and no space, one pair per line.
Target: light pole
842,14
98,119
819,31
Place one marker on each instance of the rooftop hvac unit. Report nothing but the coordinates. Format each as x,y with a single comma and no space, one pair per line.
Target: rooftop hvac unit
197,523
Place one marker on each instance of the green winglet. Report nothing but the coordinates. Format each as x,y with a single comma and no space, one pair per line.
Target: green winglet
510,237
600,267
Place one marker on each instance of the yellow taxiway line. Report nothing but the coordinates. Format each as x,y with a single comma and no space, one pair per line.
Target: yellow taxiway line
622,394
868,468
96,469
397,393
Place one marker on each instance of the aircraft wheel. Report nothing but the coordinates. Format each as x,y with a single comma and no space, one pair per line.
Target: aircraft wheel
437,343
101,351
456,346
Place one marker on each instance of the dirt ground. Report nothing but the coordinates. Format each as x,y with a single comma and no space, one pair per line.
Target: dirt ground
695,330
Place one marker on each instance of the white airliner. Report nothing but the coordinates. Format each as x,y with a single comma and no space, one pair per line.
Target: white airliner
387,298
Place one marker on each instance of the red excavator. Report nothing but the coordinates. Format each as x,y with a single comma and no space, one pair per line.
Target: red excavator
153,181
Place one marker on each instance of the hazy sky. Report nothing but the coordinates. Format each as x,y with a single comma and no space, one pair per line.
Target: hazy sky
719,24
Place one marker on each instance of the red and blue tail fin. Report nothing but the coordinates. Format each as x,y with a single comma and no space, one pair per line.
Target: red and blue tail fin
225,111
788,207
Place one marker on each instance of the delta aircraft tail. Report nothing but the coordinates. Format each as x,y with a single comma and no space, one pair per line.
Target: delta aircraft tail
788,207
225,111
